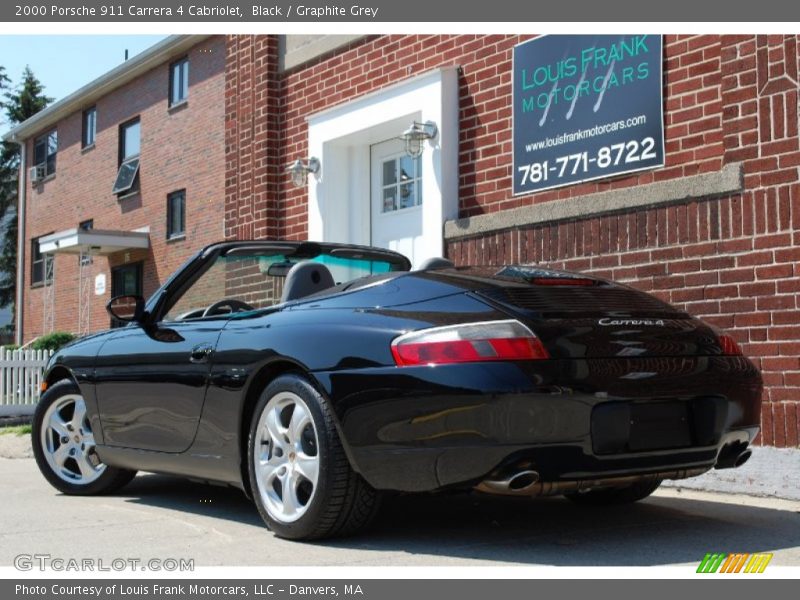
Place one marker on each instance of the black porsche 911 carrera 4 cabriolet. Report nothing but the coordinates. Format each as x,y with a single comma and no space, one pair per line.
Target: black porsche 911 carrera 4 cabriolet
314,376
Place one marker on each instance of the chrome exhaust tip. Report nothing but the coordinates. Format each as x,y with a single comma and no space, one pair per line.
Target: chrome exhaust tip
522,480
733,455
743,458
515,483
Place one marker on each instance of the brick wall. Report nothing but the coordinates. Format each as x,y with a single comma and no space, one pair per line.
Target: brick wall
728,99
732,261
267,111
180,149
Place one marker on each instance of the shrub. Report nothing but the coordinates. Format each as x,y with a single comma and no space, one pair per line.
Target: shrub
53,341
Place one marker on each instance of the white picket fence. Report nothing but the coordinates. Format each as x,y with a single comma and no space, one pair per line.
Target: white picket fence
21,375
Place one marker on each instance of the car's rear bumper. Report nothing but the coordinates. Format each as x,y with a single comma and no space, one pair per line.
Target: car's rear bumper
426,428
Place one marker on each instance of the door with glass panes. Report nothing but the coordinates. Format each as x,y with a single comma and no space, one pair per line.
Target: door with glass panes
396,203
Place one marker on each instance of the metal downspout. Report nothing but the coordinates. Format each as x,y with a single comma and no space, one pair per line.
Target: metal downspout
21,198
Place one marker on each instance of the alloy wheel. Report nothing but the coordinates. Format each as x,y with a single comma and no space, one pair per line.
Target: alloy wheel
68,442
286,457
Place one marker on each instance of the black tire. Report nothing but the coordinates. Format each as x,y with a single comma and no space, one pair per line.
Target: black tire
111,480
613,496
342,503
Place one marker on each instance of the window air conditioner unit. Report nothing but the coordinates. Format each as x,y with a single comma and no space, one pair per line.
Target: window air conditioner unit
36,173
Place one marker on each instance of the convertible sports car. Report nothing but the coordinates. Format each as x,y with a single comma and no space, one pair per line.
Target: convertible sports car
314,376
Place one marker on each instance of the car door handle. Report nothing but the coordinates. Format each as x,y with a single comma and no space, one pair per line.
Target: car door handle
200,353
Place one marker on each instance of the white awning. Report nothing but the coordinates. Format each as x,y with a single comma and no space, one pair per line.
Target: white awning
95,241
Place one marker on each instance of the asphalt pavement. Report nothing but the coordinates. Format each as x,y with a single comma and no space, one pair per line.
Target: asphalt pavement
165,517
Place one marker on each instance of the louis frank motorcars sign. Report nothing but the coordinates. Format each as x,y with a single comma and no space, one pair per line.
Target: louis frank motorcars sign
586,107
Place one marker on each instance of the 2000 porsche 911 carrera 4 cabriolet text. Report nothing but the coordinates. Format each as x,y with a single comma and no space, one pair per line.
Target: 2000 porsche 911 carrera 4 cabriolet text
314,376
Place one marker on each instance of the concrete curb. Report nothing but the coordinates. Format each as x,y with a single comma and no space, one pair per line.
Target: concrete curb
773,472
17,411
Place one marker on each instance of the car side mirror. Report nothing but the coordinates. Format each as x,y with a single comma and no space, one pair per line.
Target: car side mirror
126,308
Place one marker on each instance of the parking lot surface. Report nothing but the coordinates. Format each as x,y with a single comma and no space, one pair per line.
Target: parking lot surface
165,517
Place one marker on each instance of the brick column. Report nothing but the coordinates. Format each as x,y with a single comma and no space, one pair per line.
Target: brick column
252,200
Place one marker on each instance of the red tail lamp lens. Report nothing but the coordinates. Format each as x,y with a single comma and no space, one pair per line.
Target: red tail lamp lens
729,346
472,342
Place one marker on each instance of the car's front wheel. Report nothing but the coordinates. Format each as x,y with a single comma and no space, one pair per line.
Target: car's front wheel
300,478
64,445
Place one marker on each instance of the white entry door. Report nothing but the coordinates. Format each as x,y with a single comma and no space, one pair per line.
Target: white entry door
396,200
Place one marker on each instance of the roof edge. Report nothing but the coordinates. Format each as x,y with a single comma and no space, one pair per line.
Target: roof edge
117,77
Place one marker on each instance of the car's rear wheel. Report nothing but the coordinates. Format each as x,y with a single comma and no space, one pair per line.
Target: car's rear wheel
64,445
611,496
300,478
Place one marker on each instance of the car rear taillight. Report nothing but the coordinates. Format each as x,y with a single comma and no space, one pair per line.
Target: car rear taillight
729,346
470,342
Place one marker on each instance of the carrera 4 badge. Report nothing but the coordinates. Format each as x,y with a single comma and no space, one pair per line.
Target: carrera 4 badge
608,322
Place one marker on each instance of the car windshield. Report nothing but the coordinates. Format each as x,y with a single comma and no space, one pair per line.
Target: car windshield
253,278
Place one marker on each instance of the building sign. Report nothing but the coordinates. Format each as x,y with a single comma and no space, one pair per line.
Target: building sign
100,284
586,107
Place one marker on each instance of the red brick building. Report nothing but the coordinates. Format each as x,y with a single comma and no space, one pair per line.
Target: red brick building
715,231
160,114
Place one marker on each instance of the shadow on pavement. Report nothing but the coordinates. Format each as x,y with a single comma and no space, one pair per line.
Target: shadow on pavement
192,497
550,531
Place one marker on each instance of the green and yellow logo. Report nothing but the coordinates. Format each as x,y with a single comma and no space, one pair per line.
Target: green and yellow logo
718,562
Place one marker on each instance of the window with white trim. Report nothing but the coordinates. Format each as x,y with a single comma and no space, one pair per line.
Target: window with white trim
127,181
39,262
402,183
45,149
179,81
89,127
176,214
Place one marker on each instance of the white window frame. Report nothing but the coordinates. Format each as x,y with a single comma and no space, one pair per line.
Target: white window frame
89,127
181,66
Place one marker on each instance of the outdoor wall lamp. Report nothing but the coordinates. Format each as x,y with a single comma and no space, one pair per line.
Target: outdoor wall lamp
300,170
415,136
